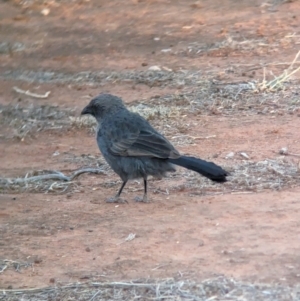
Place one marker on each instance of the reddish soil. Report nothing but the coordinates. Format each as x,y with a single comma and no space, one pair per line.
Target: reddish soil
77,236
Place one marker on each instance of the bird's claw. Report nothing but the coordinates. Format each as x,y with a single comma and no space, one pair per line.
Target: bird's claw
143,199
116,199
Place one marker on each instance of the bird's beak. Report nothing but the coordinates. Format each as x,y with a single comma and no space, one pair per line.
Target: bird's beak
86,111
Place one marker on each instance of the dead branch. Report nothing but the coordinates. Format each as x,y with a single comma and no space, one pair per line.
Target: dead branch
56,175
28,93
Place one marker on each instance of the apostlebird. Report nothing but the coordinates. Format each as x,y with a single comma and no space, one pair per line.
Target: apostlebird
134,149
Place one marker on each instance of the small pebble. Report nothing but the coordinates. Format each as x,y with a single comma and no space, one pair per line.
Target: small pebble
201,243
154,68
230,155
38,260
45,11
167,69
244,155
283,151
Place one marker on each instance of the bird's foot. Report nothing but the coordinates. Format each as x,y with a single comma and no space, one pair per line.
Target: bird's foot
143,199
116,199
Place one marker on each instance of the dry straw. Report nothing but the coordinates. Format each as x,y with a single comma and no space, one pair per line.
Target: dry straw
216,289
277,82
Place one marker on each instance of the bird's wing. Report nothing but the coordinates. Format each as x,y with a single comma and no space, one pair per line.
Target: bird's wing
138,138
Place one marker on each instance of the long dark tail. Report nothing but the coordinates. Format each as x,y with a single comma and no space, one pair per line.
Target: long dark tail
205,168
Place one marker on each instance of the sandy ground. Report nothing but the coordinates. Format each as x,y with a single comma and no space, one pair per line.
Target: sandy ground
248,228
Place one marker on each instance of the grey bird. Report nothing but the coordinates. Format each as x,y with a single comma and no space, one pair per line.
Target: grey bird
134,149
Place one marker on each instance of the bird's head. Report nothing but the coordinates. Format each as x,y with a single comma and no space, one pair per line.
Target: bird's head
102,105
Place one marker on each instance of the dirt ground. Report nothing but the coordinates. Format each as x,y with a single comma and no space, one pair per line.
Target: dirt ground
195,69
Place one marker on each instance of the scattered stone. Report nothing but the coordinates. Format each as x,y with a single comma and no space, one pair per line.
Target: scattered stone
244,155
201,243
45,11
154,68
187,27
283,151
37,260
167,69
56,153
230,155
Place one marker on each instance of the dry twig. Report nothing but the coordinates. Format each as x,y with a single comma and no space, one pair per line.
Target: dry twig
47,181
28,93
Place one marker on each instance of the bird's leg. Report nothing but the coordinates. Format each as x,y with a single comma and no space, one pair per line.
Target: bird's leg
117,199
121,189
144,199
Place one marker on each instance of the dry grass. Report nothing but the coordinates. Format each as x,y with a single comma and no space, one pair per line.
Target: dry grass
149,78
149,112
198,94
85,160
83,122
268,174
228,45
218,289
11,264
278,81
235,43
275,174
272,174
7,47
26,121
